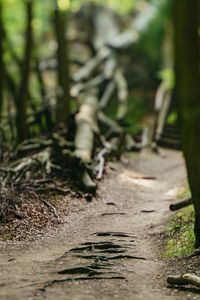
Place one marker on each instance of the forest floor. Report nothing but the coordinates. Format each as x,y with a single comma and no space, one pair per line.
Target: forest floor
109,248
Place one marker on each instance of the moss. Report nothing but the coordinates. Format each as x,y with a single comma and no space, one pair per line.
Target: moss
179,234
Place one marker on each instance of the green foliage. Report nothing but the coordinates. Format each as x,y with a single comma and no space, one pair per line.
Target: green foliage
14,17
168,77
172,118
121,6
137,110
14,21
149,48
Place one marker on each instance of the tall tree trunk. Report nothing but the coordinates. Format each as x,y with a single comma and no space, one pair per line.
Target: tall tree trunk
187,91
21,119
63,104
1,61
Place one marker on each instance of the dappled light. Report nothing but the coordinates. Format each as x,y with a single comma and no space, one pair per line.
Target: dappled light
138,179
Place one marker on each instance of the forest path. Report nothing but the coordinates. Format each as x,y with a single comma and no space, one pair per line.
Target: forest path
107,250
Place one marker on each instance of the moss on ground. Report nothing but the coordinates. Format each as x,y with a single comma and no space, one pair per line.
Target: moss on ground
184,192
179,231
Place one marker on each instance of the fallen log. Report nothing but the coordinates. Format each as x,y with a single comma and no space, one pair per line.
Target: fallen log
108,122
110,66
106,25
184,279
82,86
181,204
112,35
122,94
107,95
86,126
86,71
84,140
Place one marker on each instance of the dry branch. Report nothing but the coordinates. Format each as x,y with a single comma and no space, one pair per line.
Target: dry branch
109,123
181,204
107,95
122,94
83,86
87,70
184,279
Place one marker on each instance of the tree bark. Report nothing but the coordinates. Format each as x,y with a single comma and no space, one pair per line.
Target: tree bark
63,104
21,120
187,92
1,62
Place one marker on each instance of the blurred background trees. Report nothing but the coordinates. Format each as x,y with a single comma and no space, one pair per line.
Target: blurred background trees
37,62
68,65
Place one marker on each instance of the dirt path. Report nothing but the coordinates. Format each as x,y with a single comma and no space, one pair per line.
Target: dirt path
107,250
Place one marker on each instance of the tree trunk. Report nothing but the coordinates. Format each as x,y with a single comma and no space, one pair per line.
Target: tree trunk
187,91
63,105
21,100
1,62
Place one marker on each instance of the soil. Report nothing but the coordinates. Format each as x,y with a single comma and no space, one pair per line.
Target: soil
107,249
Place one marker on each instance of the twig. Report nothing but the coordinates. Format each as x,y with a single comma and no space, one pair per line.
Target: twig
181,204
101,159
53,189
184,279
49,205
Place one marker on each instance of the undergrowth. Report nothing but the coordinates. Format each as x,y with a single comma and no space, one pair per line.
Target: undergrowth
179,231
